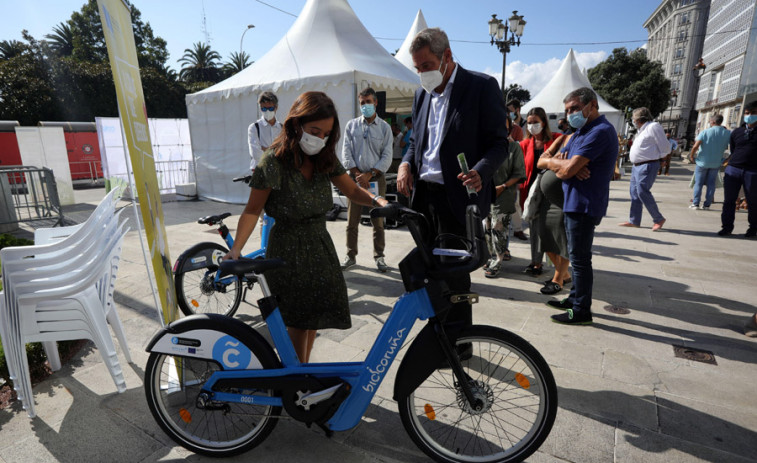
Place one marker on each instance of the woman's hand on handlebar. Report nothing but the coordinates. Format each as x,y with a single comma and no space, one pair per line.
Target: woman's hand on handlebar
231,255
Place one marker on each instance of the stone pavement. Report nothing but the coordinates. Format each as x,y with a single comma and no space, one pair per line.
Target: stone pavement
623,394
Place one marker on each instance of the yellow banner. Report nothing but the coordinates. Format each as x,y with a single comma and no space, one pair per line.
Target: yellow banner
119,37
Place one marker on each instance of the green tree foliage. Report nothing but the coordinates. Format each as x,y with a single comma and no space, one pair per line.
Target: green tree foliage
26,92
631,80
61,41
200,64
11,48
237,61
515,91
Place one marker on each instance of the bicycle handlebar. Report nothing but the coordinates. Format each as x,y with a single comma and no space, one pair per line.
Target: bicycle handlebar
437,268
246,179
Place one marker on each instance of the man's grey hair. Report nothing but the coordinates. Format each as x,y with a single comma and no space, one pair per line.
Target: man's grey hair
434,38
584,94
642,114
716,119
268,97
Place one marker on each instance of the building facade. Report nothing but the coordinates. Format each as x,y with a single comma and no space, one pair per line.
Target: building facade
676,38
729,52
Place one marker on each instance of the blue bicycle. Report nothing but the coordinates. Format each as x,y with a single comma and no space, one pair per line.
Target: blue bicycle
200,288
465,394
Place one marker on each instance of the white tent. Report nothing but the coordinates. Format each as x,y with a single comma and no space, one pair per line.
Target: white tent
327,49
403,54
568,78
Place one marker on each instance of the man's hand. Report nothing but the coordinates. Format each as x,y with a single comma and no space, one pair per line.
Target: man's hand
499,189
364,179
471,179
404,180
583,174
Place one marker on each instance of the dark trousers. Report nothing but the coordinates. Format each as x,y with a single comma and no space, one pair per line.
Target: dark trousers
580,230
733,179
430,199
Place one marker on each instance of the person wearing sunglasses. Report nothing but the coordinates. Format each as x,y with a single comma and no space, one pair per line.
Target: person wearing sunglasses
261,133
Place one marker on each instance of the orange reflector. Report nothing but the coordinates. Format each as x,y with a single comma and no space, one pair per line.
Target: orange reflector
522,380
430,413
195,303
185,415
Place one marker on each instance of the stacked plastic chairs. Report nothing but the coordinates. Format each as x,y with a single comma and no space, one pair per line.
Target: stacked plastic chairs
63,290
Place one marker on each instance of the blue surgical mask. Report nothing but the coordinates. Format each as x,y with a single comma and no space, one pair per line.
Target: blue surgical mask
750,118
368,110
577,119
513,116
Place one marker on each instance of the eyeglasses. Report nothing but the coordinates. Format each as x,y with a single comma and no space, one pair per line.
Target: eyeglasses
263,108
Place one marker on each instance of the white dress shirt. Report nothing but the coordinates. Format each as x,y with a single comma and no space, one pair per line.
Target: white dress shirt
649,144
367,145
431,169
268,133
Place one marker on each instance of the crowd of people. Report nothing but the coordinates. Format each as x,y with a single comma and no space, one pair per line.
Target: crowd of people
558,181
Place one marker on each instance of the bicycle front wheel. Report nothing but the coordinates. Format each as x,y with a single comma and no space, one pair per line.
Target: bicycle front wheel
172,386
516,387
194,280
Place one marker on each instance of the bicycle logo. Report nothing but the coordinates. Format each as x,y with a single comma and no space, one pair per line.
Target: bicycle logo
231,353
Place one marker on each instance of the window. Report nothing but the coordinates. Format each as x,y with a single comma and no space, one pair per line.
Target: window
685,18
677,69
714,90
681,36
679,53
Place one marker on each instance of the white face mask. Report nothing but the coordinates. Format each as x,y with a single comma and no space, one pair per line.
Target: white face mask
269,115
535,129
312,145
432,79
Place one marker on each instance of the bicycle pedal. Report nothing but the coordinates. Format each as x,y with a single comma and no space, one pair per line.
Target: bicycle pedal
471,298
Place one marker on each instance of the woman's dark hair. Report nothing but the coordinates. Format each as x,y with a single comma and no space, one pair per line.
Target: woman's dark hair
308,107
542,115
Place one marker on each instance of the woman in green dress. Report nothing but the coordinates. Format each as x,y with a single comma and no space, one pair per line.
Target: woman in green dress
293,183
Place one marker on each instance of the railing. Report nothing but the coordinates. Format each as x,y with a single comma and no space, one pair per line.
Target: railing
86,170
28,194
172,173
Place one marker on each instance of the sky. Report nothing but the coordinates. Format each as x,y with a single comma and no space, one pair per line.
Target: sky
593,28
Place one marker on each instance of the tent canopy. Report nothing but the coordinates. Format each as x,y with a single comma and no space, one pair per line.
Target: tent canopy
403,54
327,49
568,78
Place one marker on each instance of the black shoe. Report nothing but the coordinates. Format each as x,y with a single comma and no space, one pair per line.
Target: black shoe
569,317
551,288
560,305
533,270
751,233
564,282
520,235
724,232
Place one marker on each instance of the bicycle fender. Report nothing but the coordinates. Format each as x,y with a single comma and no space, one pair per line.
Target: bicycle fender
225,340
422,358
201,255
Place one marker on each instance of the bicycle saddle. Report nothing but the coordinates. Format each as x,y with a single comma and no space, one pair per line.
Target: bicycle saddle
244,265
214,219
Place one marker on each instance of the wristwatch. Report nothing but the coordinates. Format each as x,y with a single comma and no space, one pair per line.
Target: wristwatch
375,200
375,172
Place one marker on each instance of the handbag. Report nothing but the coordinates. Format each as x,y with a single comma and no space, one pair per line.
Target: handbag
533,200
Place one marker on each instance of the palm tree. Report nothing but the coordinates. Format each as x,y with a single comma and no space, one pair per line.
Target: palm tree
62,39
200,64
11,48
237,61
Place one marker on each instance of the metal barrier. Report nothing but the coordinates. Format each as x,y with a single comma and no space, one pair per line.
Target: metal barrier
28,194
86,170
172,173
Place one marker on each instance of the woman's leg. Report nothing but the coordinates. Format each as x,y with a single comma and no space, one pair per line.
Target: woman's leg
561,268
311,340
301,342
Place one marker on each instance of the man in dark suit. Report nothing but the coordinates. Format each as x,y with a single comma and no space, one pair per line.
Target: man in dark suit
455,111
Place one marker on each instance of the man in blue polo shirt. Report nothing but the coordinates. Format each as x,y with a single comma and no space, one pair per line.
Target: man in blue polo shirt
586,175
708,151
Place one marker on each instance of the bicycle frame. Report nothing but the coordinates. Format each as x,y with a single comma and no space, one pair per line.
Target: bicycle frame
226,235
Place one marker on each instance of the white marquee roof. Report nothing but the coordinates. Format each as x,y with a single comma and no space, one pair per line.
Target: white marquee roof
327,43
403,54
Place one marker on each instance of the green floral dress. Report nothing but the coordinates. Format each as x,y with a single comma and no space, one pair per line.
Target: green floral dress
311,290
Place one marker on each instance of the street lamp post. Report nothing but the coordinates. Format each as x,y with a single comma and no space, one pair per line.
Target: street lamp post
673,100
498,31
249,26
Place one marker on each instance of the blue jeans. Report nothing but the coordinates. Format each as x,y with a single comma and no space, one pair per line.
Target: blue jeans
580,230
642,179
704,176
733,179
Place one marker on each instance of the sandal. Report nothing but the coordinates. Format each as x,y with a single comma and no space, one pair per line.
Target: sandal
506,255
564,282
491,272
551,288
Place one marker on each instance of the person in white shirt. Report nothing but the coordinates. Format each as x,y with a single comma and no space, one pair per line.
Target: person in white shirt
367,155
261,133
649,146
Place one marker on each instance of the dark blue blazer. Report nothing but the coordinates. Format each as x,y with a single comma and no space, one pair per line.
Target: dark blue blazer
475,125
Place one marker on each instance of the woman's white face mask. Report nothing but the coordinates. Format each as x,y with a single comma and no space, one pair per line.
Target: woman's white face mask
312,145
535,129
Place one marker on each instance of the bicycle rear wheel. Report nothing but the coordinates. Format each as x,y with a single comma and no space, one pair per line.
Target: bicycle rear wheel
172,386
519,395
196,290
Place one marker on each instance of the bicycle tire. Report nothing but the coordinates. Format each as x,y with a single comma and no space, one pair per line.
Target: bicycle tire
194,290
217,433
520,398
